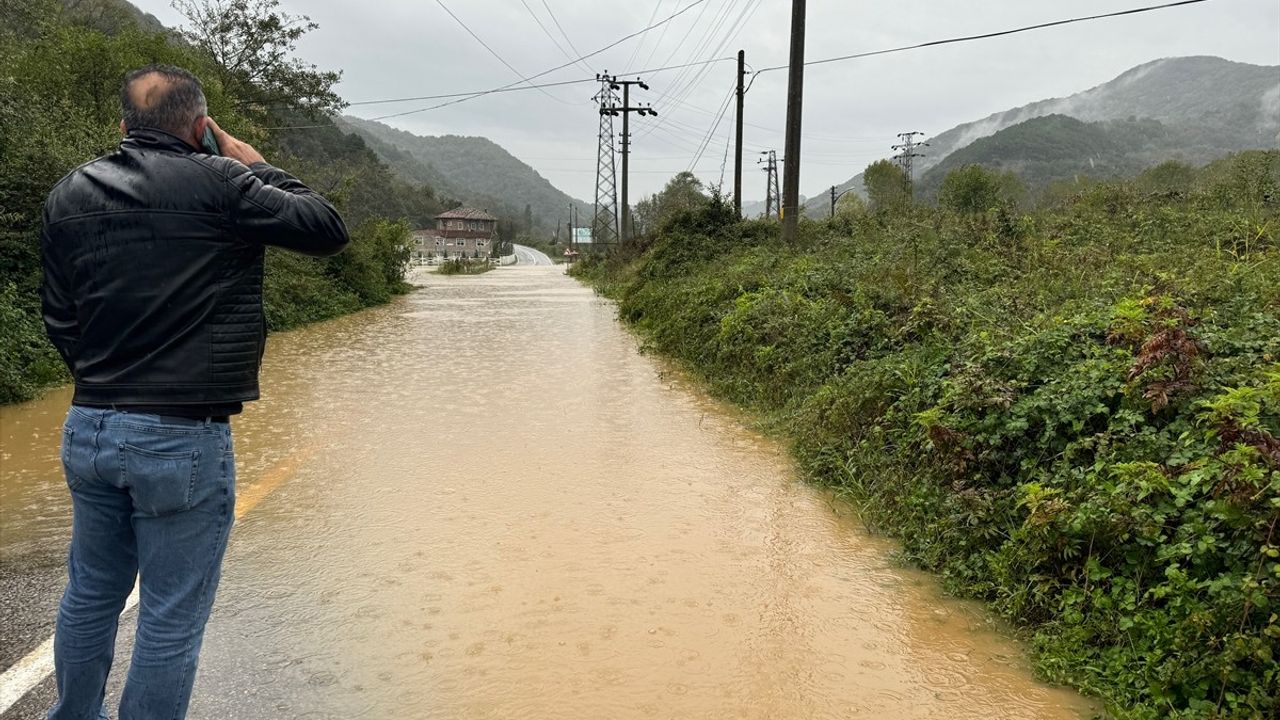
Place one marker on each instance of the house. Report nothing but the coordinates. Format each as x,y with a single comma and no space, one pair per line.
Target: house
459,233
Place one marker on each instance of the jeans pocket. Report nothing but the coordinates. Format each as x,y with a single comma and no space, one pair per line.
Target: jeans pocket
73,477
160,482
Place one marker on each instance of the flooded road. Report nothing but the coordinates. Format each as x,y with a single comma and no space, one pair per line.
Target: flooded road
483,502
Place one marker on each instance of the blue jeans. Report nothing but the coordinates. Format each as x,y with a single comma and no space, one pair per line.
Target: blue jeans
152,499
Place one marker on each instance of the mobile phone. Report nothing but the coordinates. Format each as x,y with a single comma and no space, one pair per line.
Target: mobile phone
210,144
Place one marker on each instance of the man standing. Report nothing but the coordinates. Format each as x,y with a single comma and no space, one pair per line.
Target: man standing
153,262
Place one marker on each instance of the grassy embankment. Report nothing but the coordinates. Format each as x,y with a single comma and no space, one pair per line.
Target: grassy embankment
1071,413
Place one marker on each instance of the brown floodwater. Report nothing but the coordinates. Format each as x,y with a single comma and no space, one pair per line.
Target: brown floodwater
482,501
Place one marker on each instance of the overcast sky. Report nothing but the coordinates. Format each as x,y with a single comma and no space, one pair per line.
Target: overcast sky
852,110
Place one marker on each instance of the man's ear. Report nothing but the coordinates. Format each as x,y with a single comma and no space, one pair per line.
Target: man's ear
197,129
123,130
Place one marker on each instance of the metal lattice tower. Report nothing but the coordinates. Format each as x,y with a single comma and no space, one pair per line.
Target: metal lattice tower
604,228
907,155
772,195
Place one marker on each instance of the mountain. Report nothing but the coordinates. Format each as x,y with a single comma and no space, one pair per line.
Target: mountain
474,170
1057,147
1203,107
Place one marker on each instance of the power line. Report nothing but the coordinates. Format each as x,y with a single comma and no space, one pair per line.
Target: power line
699,45
560,27
544,73
518,87
661,36
986,36
681,66
682,91
524,84
635,52
494,53
685,38
724,108
555,41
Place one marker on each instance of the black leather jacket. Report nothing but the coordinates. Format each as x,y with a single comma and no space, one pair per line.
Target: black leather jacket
153,262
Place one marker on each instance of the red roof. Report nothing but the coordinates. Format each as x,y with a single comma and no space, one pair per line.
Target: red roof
466,214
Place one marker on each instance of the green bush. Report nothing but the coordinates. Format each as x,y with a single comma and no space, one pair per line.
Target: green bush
462,266
1073,414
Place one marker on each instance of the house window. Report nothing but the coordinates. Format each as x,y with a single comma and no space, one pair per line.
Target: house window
480,243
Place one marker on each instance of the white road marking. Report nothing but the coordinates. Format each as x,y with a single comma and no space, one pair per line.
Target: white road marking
23,676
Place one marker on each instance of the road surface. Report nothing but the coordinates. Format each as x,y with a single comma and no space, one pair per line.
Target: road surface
483,501
529,256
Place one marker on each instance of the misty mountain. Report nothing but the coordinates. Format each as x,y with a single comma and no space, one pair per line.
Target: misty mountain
1202,108
475,170
1056,147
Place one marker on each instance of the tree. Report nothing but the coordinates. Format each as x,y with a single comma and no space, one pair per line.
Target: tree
1172,176
973,189
682,192
252,45
528,219
851,205
887,186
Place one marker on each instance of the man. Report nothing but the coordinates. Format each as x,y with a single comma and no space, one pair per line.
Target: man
153,261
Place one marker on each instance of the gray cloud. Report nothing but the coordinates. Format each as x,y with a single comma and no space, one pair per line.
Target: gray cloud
397,48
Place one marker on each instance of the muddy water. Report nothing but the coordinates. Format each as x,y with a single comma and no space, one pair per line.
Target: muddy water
483,502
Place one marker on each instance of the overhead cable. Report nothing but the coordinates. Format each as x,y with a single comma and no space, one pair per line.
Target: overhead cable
494,53
987,36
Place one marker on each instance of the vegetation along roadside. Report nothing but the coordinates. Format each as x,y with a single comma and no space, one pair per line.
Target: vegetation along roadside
1071,412
61,64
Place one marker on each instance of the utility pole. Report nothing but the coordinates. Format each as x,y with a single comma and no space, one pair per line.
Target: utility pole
772,200
573,227
833,202
795,98
907,154
737,164
604,227
626,111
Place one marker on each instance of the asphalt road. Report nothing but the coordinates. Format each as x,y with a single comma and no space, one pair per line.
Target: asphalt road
529,256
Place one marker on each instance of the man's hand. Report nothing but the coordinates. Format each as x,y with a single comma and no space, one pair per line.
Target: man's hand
233,148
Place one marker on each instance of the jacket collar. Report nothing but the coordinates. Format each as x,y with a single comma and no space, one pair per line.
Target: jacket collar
150,138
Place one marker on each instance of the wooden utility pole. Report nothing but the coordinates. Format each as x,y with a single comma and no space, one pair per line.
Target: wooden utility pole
737,165
795,99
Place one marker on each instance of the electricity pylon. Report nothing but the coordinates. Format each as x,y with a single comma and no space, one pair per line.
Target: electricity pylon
772,196
604,228
907,155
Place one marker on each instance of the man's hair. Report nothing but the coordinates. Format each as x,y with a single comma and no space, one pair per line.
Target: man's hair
162,97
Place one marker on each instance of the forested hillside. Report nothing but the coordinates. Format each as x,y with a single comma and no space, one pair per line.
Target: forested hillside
475,170
1053,148
1202,108
60,72
1072,413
